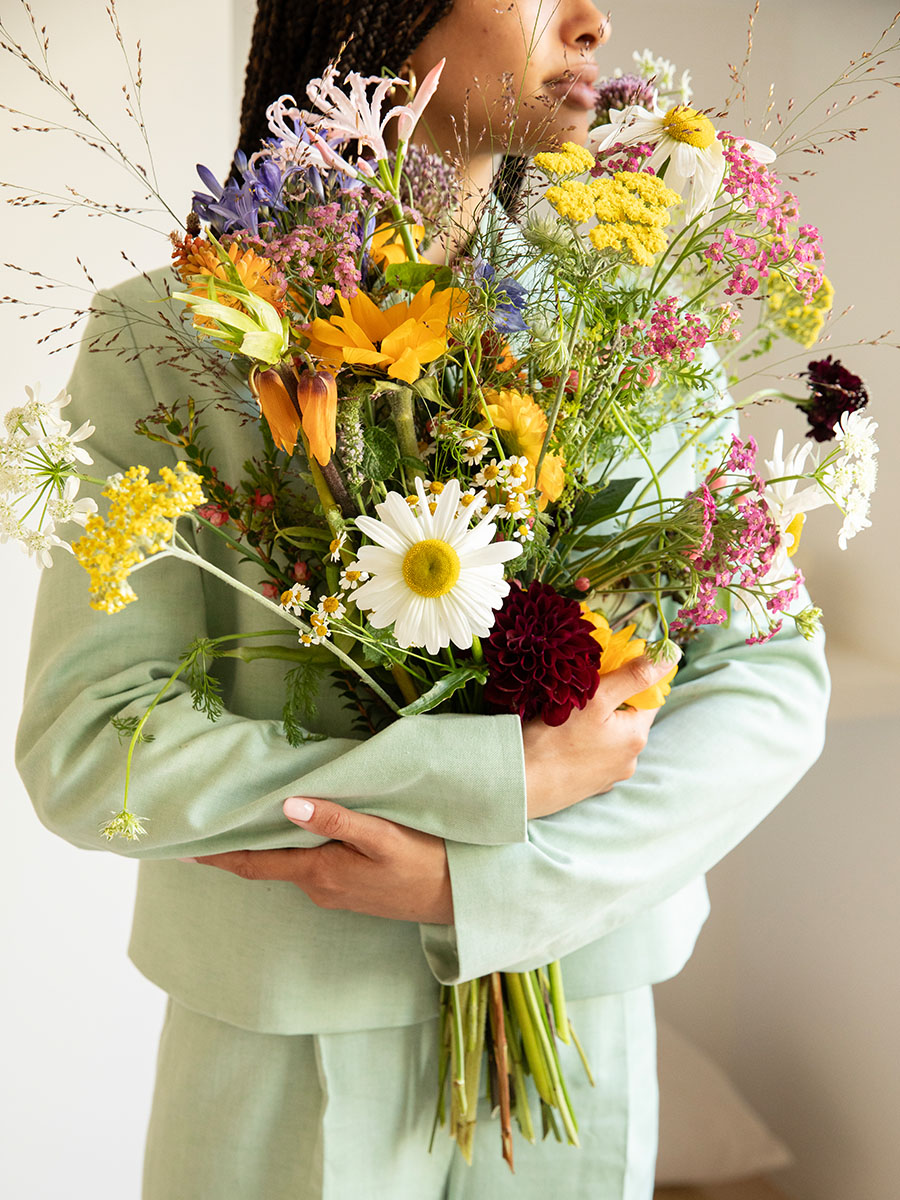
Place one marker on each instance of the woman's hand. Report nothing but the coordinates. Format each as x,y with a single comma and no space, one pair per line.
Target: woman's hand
370,865
595,748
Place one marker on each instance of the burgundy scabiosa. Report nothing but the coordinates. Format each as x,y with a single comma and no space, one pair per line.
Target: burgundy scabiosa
543,659
833,391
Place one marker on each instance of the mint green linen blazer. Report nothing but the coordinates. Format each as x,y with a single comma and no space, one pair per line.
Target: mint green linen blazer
614,885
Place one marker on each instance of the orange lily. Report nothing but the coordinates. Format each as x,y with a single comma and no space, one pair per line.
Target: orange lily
620,648
317,397
277,406
315,409
400,339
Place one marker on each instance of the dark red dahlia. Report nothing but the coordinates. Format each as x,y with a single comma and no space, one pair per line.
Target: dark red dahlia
833,391
543,660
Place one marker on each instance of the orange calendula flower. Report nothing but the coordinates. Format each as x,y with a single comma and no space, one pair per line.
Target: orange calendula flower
619,649
195,259
522,425
386,246
400,339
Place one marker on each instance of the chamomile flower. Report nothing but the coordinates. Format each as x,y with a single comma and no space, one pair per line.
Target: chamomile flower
489,474
475,448
474,500
516,471
334,550
295,598
524,533
352,577
684,136
435,579
331,608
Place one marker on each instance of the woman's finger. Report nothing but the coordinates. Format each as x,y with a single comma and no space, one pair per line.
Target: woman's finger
330,820
255,864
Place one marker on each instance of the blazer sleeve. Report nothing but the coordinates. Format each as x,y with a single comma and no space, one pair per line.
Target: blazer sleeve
207,787
735,735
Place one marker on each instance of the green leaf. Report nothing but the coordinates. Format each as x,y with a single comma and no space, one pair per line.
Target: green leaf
412,276
444,689
126,727
603,504
380,453
301,688
427,387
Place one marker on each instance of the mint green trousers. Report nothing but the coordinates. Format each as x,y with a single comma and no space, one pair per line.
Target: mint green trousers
240,1115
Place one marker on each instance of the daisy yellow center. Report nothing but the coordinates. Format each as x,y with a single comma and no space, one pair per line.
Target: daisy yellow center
795,529
430,568
688,125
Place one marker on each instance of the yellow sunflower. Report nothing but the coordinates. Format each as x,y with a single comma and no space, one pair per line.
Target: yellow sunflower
619,649
400,339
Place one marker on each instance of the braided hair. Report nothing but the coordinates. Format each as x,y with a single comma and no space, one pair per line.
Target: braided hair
294,41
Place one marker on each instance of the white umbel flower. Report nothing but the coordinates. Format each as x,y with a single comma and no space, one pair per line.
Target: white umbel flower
684,136
850,472
435,579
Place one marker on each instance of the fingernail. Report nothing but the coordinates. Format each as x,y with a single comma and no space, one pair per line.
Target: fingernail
187,860
297,809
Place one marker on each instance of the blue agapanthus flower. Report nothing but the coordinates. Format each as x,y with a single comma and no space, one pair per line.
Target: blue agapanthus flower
509,315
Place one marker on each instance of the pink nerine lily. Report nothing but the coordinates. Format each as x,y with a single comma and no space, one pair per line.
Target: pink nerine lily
353,116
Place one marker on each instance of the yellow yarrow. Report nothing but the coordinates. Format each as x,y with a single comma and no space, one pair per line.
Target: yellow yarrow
572,159
140,522
632,209
797,319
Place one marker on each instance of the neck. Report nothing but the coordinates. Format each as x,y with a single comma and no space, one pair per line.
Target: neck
476,173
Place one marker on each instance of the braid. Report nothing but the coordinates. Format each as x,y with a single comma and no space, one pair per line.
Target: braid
294,40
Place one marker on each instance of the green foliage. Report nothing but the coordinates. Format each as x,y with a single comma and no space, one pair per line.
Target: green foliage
444,689
301,685
413,276
206,690
380,453
126,727
592,509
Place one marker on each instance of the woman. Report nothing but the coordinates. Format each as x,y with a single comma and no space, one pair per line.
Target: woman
297,1059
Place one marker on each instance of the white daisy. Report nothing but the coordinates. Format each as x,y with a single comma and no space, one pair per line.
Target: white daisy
788,501
337,545
687,139
435,579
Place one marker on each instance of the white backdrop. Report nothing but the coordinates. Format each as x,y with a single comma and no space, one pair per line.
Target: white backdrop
794,983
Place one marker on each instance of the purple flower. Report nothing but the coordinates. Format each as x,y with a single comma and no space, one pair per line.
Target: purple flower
508,315
620,93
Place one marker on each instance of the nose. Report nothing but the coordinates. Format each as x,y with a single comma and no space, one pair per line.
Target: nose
587,27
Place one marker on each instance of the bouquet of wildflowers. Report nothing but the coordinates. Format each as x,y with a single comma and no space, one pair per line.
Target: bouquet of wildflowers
457,506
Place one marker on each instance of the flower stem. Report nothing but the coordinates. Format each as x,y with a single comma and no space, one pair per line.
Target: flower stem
560,392
198,561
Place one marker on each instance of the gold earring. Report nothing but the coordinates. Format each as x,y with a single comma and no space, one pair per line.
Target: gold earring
411,81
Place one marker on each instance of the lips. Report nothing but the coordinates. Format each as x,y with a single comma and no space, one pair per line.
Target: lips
575,87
